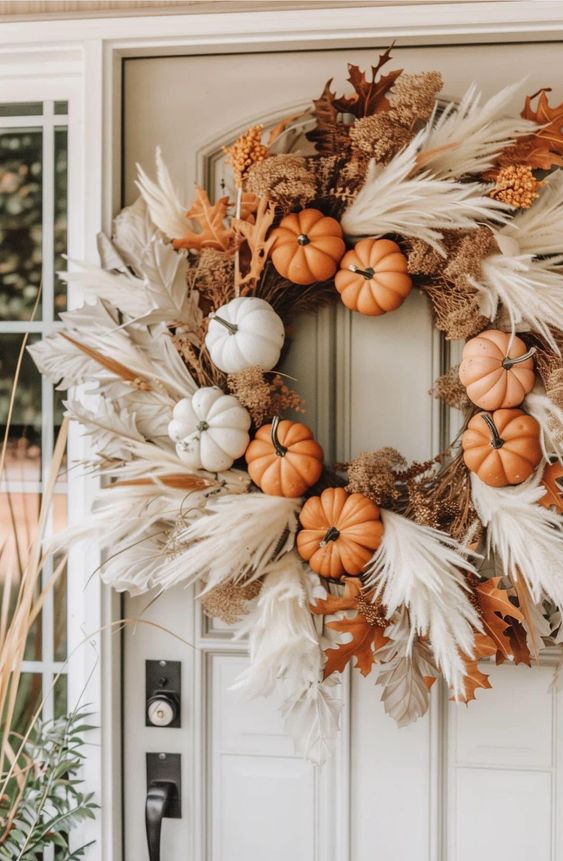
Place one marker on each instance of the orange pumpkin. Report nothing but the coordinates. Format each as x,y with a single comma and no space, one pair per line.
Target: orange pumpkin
373,277
497,370
340,532
503,447
308,246
284,459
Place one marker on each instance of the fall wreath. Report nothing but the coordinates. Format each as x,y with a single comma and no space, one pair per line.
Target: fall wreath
416,570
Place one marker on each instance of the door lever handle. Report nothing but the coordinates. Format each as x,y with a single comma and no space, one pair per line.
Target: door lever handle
158,799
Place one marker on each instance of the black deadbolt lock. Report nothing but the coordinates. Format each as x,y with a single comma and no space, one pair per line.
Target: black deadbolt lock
163,691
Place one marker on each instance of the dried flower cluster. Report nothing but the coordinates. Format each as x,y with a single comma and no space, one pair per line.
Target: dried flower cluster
448,389
379,136
413,97
228,601
516,186
261,398
374,474
246,151
287,180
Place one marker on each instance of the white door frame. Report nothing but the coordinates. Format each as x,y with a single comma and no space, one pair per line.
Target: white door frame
84,59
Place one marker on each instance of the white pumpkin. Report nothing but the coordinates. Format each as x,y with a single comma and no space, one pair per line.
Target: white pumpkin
245,332
210,430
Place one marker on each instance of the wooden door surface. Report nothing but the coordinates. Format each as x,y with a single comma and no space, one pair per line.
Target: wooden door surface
447,786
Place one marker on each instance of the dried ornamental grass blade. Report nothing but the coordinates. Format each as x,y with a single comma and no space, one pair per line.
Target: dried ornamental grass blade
109,364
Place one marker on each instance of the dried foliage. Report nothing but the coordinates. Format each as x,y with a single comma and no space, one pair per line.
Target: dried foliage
212,274
375,475
263,399
552,480
255,235
286,179
444,501
228,601
413,97
210,219
379,136
246,151
448,389
456,311
366,627
544,148
516,186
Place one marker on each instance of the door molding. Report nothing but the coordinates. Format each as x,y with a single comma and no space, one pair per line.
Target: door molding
90,53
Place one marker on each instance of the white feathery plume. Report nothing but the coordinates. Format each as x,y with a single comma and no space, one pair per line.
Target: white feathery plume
468,134
286,659
392,200
550,419
538,230
239,537
422,568
125,291
165,207
527,537
530,290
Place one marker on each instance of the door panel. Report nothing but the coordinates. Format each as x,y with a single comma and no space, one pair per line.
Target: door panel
453,785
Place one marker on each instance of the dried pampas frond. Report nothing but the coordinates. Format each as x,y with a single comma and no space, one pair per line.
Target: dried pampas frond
407,672
286,658
529,290
238,538
469,134
539,229
422,569
394,201
165,207
527,537
549,416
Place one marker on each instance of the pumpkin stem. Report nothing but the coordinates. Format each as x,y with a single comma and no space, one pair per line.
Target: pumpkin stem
331,535
232,327
303,239
280,449
202,426
367,273
496,440
508,362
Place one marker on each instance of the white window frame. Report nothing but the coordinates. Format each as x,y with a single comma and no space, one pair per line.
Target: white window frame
80,61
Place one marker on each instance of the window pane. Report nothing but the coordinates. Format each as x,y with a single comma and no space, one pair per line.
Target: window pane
61,107
23,461
29,697
20,222
61,696
22,109
60,233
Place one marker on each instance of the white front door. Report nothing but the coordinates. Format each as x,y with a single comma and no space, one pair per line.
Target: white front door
483,782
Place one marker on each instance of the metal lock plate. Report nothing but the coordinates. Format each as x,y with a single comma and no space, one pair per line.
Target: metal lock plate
163,693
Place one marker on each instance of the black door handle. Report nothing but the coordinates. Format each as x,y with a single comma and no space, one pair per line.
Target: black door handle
158,799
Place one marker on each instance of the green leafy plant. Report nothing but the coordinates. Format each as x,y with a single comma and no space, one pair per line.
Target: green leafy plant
44,798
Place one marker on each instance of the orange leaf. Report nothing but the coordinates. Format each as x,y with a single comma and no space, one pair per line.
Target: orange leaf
369,96
495,606
255,236
553,497
210,218
474,678
280,127
367,637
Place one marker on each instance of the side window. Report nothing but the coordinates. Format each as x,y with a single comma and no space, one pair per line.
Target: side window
33,238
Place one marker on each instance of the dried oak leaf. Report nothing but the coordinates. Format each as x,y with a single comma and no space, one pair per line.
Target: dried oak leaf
519,643
255,236
369,96
496,609
210,218
542,149
329,134
366,627
552,475
474,678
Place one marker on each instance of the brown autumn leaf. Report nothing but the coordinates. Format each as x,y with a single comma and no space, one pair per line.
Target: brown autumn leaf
369,96
280,127
255,235
542,149
329,135
553,497
210,218
474,678
367,636
495,606
519,643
